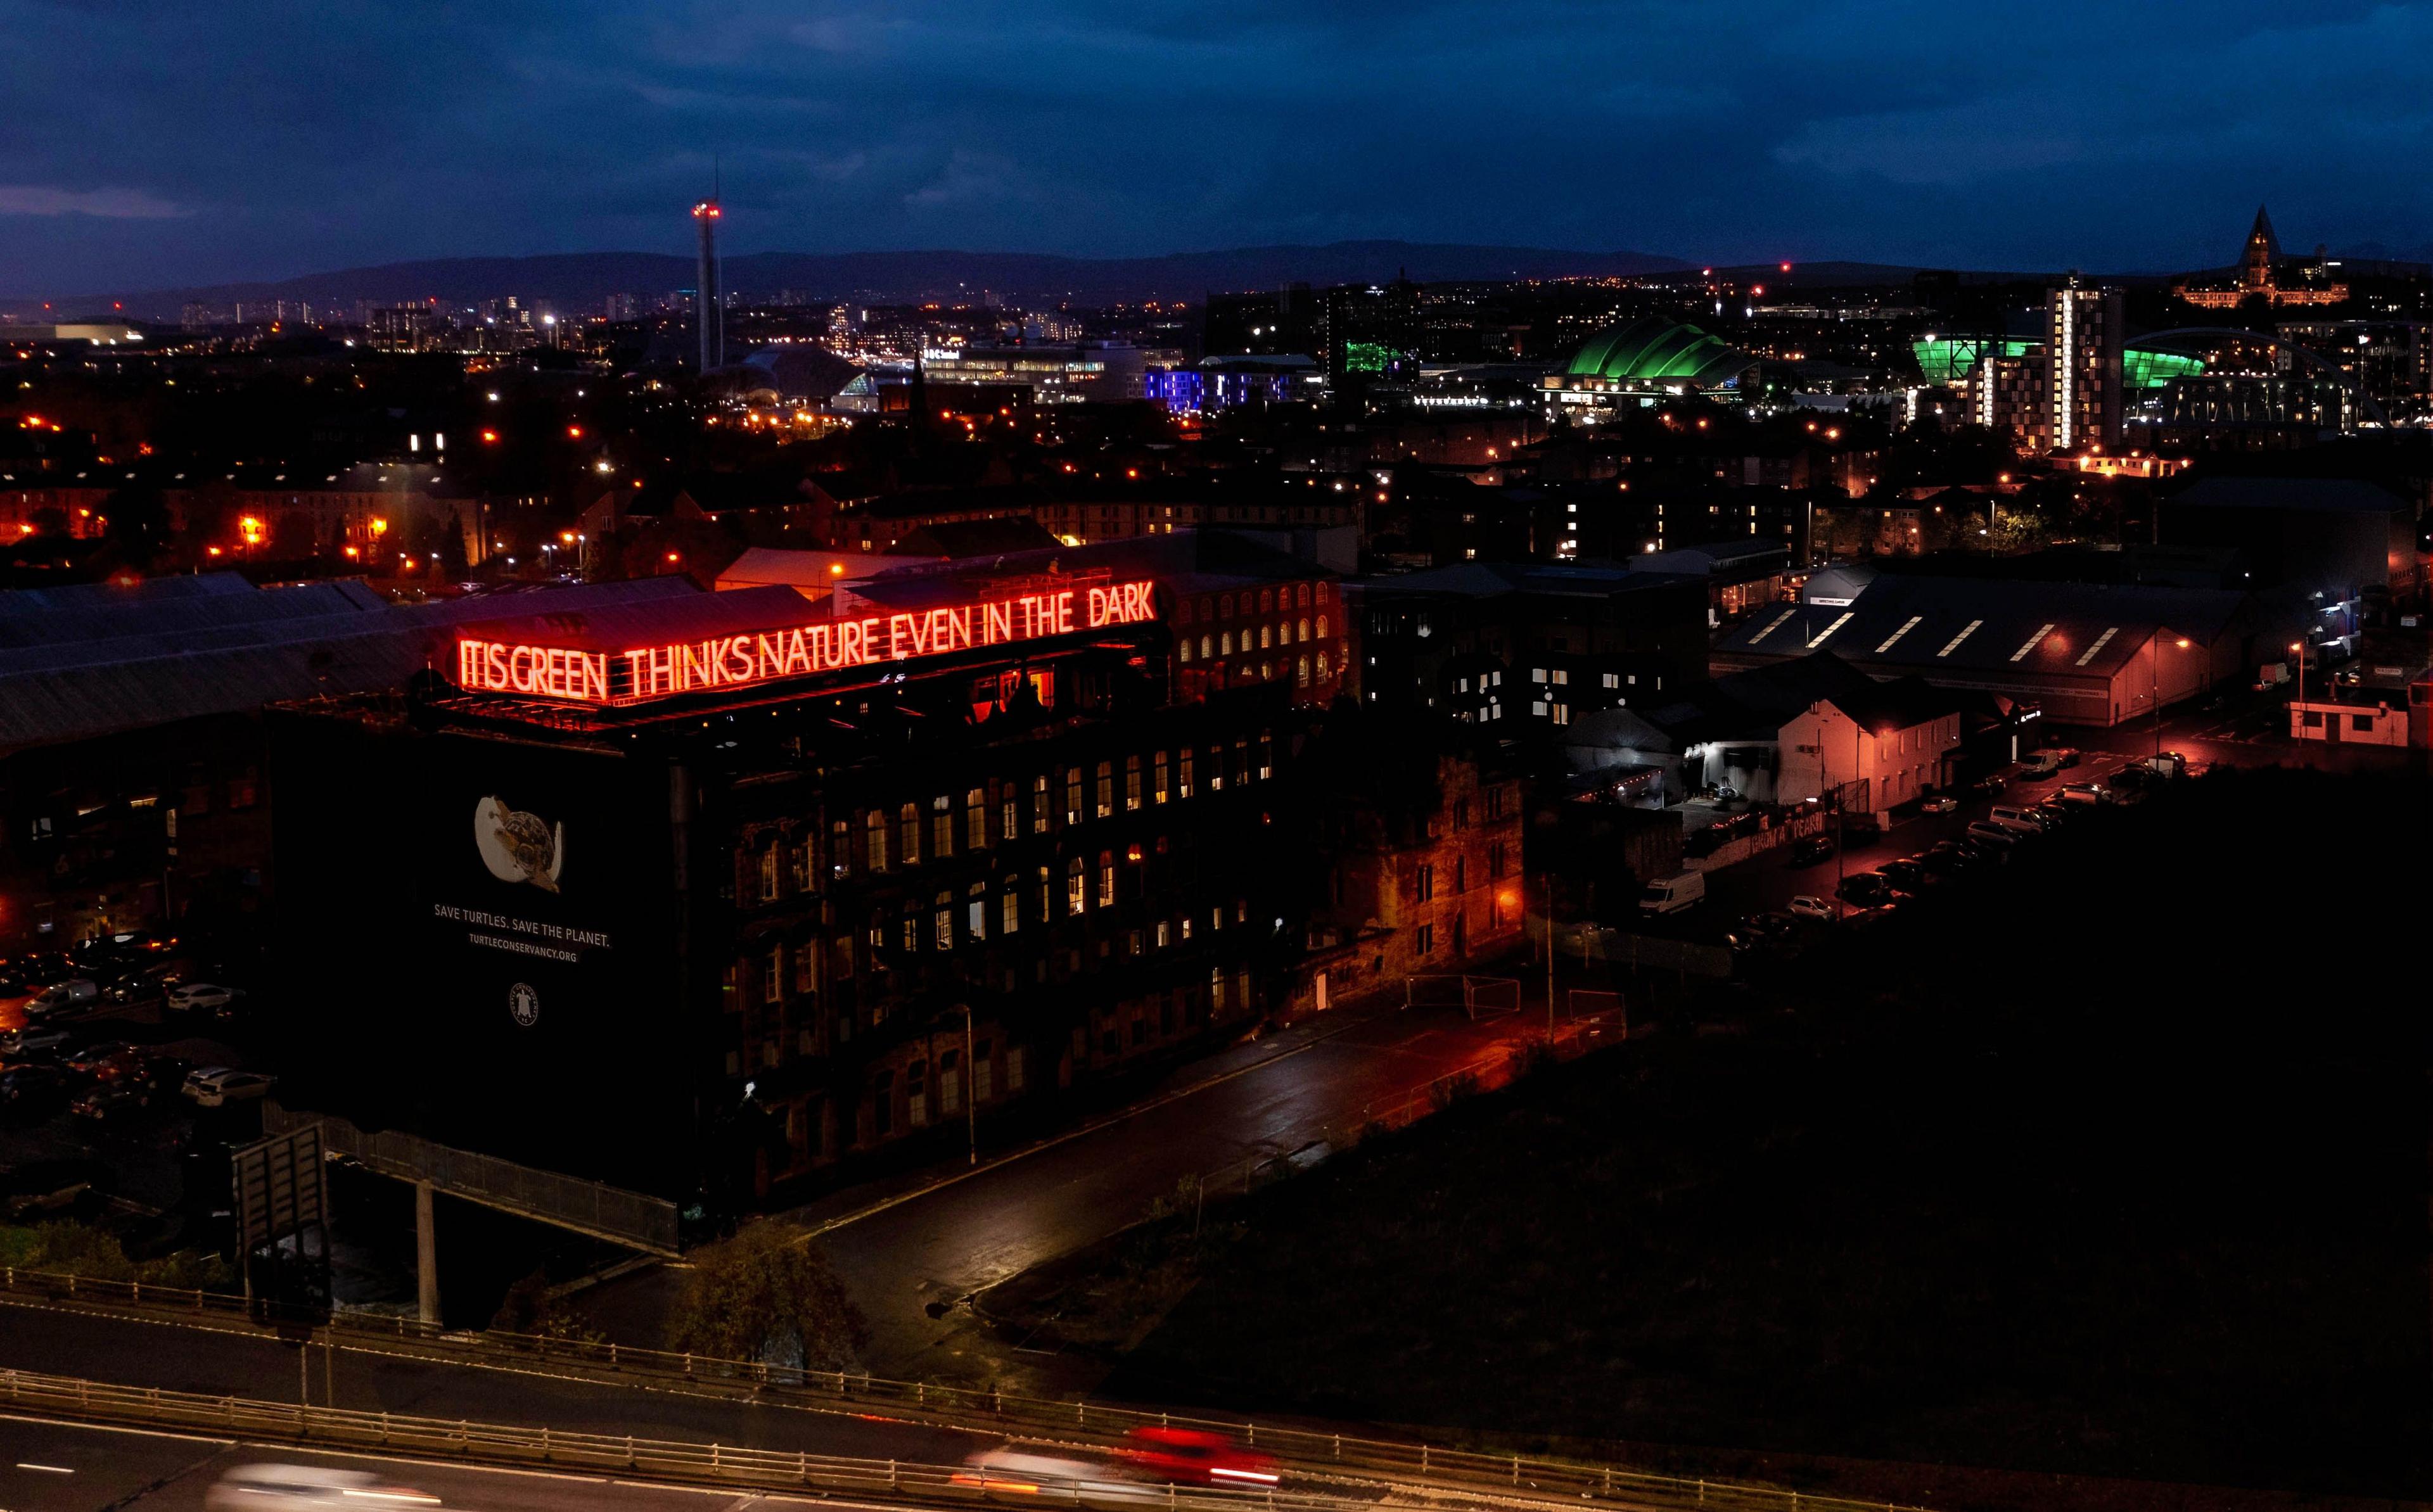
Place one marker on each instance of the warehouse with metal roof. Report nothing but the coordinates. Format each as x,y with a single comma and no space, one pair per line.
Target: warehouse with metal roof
2084,654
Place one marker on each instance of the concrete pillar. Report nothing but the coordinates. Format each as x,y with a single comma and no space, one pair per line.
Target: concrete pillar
426,1256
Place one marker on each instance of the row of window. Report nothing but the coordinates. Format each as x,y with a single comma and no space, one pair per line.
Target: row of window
1220,606
948,922
916,834
1222,643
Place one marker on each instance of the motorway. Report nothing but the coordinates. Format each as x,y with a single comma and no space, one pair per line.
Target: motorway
180,1358
911,1250
56,1466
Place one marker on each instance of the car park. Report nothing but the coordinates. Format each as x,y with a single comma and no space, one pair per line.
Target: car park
1809,906
216,1086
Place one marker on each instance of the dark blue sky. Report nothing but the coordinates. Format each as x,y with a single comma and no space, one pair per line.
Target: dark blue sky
157,142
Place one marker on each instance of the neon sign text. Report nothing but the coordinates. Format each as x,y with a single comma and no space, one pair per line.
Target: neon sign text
589,676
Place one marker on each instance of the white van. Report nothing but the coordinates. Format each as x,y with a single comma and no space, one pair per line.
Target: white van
61,996
1671,894
2018,821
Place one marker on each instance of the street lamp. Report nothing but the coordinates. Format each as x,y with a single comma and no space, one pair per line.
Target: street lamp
2154,695
2298,648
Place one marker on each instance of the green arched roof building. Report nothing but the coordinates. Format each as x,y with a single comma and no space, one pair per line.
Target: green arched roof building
1654,352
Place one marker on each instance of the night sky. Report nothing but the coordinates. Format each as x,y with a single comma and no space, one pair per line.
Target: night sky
148,143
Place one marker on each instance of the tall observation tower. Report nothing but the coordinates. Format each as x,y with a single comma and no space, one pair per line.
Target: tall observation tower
708,308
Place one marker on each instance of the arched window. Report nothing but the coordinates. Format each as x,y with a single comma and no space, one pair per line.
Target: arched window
1305,628
1225,605
1321,627
1186,650
1182,611
1225,644
943,925
1106,879
1321,598
1321,666
1264,631
1207,647
1266,600
875,827
1077,886
1301,673
908,842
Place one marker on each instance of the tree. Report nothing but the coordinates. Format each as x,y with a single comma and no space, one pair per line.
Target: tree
768,1293
532,1306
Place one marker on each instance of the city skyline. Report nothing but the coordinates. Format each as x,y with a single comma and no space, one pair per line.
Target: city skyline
1887,133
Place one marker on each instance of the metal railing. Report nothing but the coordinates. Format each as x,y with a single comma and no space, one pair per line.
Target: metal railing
1494,1479
595,1208
679,1460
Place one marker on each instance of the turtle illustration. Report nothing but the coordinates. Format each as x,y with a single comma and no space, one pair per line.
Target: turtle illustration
517,847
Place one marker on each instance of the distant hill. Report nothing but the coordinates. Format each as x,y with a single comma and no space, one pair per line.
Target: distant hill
584,279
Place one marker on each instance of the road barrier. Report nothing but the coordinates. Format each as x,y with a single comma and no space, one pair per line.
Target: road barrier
1448,1477
683,1461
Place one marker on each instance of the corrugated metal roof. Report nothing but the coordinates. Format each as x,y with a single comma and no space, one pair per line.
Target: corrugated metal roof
1938,624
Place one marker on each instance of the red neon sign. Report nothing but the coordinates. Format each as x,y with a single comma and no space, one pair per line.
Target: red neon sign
580,675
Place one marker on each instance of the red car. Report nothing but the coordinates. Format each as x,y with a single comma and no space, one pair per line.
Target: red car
1195,1457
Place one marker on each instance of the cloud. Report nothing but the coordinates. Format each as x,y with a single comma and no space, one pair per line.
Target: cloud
109,204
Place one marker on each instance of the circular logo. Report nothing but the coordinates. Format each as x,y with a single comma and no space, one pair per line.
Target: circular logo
524,1004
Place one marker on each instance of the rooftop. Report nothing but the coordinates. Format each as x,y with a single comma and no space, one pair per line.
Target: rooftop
1933,626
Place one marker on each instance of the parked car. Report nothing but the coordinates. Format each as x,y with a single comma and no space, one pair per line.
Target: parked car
2133,779
2081,792
2027,821
34,1039
64,997
1942,803
1907,876
108,1100
1947,861
1195,1457
89,1061
1988,785
32,1091
1809,906
214,1086
202,997
1987,832
1810,849
1671,894
45,1186
1868,889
